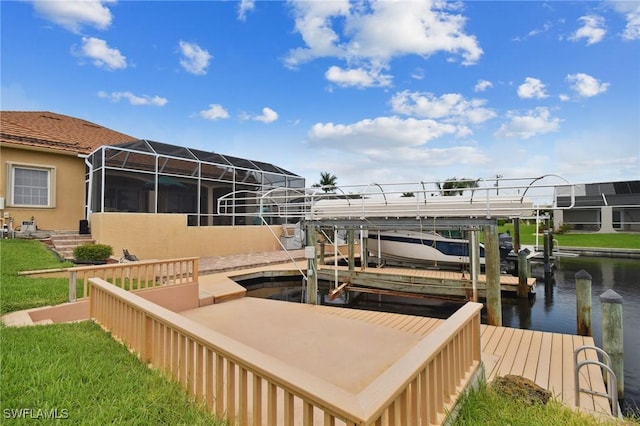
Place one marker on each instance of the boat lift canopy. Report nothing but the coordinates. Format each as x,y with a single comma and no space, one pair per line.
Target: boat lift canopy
516,197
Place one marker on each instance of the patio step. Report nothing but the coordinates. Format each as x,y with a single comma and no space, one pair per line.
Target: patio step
64,244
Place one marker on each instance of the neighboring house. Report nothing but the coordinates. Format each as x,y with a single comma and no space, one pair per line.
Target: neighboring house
43,168
602,207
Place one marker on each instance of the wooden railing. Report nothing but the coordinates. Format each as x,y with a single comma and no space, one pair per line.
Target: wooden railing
248,387
134,275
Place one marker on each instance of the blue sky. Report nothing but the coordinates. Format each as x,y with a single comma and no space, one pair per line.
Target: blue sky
388,91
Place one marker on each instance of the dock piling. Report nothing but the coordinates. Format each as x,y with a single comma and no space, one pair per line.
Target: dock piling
612,334
547,249
583,302
312,266
524,273
492,270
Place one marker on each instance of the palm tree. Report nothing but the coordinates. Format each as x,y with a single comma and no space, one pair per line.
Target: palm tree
408,194
327,182
455,186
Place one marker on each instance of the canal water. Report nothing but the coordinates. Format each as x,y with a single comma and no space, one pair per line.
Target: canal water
553,307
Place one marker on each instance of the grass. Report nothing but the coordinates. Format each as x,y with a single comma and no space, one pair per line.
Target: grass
76,371
84,376
19,293
484,406
574,239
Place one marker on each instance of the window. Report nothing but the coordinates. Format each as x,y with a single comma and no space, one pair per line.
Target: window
31,186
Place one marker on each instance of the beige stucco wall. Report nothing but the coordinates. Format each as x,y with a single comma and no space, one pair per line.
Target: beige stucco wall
69,188
165,236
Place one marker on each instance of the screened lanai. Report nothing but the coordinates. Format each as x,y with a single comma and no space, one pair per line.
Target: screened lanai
152,177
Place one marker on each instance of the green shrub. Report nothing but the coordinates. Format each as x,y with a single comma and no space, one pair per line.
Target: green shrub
564,228
92,252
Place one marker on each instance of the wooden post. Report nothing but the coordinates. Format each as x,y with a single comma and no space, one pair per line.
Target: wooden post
73,275
612,334
351,248
524,272
516,235
364,248
322,252
547,257
583,303
474,253
312,266
492,273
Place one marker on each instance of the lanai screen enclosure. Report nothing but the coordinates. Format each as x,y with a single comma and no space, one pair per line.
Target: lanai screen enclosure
152,177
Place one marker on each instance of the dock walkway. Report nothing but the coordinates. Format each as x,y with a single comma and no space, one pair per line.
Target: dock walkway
543,357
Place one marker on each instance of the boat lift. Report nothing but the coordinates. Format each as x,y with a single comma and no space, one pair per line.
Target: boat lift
421,205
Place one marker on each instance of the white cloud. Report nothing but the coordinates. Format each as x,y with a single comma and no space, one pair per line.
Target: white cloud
357,77
382,133
418,74
195,59
537,121
593,29
360,33
545,28
74,14
631,12
531,88
102,55
585,85
450,107
134,99
482,85
244,7
215,112
268,115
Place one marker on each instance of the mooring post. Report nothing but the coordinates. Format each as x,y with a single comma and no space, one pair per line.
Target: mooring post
516,234
475,262
524,272
546,240
364,248
612,334
312,266
322,252
492,275
351,236
583,302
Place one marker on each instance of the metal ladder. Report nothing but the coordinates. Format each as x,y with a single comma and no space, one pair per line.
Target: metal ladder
612,381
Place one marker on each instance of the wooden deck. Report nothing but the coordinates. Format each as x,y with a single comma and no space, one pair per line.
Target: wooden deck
543,357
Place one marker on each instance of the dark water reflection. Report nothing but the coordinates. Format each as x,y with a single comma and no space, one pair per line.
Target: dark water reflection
552,309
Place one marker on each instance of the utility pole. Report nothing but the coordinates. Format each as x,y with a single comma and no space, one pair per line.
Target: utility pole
498,177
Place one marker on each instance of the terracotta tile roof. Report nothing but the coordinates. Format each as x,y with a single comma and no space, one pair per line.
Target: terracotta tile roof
56,131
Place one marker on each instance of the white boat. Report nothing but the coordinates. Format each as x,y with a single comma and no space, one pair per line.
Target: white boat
439,249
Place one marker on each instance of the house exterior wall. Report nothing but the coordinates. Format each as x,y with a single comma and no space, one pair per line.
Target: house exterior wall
164,236
68,194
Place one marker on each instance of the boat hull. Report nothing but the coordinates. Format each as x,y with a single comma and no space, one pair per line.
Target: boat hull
420,248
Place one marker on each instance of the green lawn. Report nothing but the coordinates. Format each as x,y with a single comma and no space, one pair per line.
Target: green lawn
574,239
75,372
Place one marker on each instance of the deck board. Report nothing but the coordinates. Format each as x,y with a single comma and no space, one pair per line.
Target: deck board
533,357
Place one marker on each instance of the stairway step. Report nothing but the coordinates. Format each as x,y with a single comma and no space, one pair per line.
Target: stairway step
64,244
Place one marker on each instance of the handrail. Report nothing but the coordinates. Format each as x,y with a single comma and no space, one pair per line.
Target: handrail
612,381
135,275
213,367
